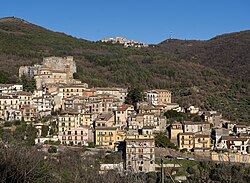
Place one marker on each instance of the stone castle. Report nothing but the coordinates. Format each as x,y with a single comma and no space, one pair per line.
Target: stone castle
52,72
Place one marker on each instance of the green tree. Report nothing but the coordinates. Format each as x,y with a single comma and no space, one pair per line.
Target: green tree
161,140
29,84
45,130
134,95
52,149
173,115
3,77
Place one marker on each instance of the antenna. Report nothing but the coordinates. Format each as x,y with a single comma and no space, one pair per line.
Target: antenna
171,35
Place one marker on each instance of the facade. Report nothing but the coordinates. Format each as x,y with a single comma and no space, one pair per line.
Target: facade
75,136
186,140
194,127
240,128
117,93
106,136
105,120
236,144
10,88
213,117
42,103
194,142
202,143
68,91
230,126
27,112
218,133
10,108
158,97
122,113
174,130
71,129
68,120
140,153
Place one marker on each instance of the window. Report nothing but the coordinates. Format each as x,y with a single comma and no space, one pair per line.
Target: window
75,132
81,132
69,132
151,162
140,168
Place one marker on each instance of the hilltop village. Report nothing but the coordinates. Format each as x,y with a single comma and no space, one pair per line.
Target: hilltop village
67,112
125,42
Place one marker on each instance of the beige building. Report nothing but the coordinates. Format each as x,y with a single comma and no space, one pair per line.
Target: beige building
68,120
75,136
42,103
10,108
101,104
10,88
231,157
28,113
140,153
71,129
194,142
105,120
122,113
202,143
68,91
186,140
158,96
194,127
118,93
235,144
174,129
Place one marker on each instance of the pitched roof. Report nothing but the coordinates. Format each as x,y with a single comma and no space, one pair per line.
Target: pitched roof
104,116
124,107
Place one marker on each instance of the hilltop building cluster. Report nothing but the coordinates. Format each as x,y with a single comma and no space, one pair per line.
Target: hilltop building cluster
125,42
99,116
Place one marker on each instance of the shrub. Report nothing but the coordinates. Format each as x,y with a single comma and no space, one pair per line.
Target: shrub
52,149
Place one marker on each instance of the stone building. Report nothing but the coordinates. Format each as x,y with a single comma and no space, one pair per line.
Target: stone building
140,153
52,72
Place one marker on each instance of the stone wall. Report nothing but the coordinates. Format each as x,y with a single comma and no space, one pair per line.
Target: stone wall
66,64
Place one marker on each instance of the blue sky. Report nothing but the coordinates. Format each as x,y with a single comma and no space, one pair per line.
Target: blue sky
142,20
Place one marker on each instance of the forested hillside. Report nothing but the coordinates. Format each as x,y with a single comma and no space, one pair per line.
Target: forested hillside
213,74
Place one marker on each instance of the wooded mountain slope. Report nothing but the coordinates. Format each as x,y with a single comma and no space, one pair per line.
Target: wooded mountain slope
212,74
